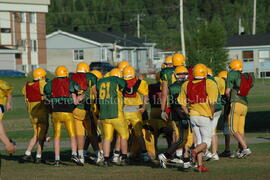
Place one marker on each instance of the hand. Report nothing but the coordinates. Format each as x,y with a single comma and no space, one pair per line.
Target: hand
8,107
80,98
164,116
142,109
10,148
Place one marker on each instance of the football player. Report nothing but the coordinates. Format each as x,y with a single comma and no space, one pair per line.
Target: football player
38,112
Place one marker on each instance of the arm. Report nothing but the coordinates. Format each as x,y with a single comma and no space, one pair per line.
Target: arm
9,99
8,145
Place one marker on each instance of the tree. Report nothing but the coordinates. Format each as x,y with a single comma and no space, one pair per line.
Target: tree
208,46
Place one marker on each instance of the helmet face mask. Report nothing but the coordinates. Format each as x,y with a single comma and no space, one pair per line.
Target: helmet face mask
182,76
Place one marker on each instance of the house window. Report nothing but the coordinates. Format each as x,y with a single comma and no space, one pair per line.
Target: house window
5,30
103,54
248,56
34,45
24,68
22,17
23,44
33,18
33,67
265,74
78,55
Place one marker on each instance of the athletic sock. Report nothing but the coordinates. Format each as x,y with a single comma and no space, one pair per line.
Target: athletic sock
179,152
38,156
80,152
144,151
124,156
57,158
116,152
107,159
27,153
74,153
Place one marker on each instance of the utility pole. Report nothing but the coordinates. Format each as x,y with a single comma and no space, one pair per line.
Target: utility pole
182,28
138,26
254,18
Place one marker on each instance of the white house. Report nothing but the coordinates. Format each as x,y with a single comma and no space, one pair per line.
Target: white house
254,50
70,48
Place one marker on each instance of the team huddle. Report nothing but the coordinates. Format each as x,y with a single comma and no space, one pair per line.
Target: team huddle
111,113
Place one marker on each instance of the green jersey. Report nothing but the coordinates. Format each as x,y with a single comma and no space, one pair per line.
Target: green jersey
110,97
91,80
233,82
167,75
174,91
218,106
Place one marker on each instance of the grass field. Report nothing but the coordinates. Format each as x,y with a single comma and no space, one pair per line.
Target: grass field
256,167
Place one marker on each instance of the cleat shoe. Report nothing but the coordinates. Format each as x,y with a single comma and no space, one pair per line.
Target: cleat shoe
107,164
28,158
177,160
116,158
81,161
236,154
57,163
145,157
225,154
215,157
186,165
100,158
123,161
38,160
162,160
207,156
76,160
245,152
202,168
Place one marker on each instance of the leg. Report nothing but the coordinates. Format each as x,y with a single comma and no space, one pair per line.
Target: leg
56,119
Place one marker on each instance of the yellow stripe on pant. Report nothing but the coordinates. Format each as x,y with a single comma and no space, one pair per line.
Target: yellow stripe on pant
237,118
63,117
188,136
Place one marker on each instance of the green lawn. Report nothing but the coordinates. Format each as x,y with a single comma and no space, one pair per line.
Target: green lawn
257,166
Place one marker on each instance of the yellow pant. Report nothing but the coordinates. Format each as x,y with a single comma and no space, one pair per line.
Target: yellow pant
63,117
135,119
149,140
119,124
188,136
39,115
1,116
237,116
82,122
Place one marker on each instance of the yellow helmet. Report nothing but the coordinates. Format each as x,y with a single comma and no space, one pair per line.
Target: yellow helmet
129,72
169,60
200,71
223,74
236,65
39,73
163,66
178,60
181,70
209,71
123,64
116,72
97,74
61,71
107,74
83,67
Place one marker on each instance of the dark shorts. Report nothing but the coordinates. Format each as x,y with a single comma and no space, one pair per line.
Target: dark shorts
2,109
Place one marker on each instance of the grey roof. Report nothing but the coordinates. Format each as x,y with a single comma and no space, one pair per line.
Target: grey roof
248,40
111,37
